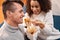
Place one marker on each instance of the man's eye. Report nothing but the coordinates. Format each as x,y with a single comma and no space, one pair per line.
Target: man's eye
21,11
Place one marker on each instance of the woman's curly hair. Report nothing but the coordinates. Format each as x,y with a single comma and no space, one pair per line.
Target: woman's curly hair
45,6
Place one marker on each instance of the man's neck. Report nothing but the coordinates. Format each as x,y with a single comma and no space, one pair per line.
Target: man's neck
12,23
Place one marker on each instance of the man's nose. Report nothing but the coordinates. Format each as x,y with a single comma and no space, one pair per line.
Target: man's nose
22,14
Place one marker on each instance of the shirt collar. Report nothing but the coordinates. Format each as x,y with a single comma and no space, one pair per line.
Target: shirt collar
9,27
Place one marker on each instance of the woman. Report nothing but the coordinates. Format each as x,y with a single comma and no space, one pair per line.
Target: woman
40,12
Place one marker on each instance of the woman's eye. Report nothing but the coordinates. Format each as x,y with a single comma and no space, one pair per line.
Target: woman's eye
32,6
36,6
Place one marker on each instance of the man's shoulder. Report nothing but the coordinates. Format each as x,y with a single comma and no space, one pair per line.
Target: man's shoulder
1,38
3,34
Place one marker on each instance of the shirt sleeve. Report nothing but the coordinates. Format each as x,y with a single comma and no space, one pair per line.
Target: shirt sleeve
49,28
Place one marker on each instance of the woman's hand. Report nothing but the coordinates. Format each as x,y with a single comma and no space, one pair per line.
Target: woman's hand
32,32
27,21
38,23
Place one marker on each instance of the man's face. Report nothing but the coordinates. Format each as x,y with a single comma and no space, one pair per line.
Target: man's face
17,15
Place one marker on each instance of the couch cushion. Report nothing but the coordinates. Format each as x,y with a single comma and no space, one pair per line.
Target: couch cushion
56,22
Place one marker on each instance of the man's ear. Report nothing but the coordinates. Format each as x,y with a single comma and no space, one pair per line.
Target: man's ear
8,13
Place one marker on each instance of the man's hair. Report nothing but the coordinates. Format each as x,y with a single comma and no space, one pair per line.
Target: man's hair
45,6
9,5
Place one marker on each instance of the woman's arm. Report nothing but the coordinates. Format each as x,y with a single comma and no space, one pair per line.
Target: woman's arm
49,28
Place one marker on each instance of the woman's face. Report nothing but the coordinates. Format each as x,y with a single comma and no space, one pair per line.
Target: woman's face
35,7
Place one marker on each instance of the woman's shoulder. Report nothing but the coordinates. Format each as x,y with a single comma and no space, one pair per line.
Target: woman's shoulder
49,13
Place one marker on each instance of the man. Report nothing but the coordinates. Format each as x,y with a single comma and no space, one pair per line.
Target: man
13,15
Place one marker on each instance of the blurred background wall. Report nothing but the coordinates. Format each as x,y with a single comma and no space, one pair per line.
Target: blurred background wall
1,14
56,7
